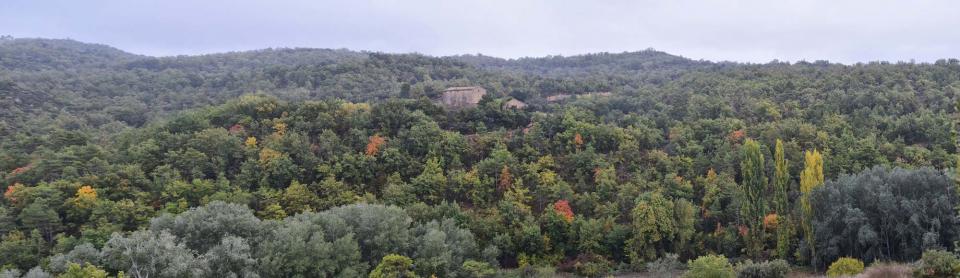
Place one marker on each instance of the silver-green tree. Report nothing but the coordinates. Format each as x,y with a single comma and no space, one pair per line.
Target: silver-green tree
753,185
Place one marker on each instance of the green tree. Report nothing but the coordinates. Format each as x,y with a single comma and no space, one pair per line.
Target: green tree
80,255
298,198
380,230
86,271
476,269
653,227
145,254
202,228
309,245
397,192
335,193
231,258
20,251
40,216
394,266
440,248
710,266
781,180
884,214
7,221
753,186
431,184
686,219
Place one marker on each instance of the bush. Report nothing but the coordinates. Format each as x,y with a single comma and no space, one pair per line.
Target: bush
845,267
475,269
710,266
666,266
527,272
589,265
767,269
937,263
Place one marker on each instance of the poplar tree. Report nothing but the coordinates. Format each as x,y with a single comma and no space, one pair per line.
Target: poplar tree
753,185
781,179
810,178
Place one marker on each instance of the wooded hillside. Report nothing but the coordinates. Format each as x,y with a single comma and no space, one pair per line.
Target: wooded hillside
337,163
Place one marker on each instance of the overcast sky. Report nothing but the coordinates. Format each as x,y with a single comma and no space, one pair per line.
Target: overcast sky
747,31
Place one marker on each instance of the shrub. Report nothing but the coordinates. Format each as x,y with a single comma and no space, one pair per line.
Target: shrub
937,263
589,265
527,272
845,267
475,269
710,266
767,269
666,266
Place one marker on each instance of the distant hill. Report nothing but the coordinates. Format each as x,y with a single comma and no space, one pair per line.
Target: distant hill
94,85
57,54
598,62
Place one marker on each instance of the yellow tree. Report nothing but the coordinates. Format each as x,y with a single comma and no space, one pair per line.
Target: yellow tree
86,196
280,128
810,178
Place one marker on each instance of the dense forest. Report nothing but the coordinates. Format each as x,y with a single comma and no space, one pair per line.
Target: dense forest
338,163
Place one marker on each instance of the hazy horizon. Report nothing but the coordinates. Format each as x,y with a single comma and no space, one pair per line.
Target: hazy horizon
739,31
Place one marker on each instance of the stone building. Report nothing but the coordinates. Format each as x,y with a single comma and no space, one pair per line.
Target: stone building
462,97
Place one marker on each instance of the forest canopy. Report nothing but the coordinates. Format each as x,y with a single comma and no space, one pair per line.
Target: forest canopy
337,163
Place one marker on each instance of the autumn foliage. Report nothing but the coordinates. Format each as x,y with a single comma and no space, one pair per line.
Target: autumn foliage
578,139
21,170
737,135
771,221
86,196
267,155
12,189
86,192
280,128
562,207
506,180
374,144
237,129
251,142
